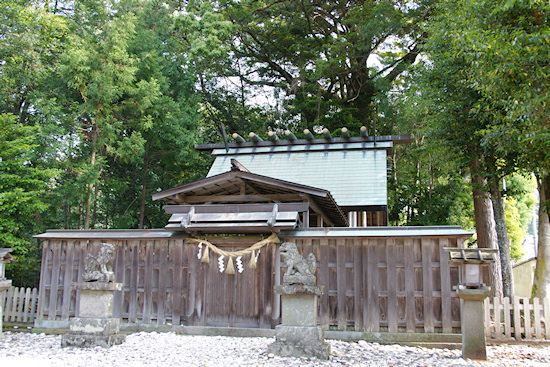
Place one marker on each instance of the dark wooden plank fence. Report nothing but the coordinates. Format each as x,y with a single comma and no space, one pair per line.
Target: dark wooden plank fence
374,282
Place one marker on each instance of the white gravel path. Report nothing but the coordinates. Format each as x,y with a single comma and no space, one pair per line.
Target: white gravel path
169,349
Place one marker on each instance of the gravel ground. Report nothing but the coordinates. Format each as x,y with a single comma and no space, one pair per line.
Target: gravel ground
169,349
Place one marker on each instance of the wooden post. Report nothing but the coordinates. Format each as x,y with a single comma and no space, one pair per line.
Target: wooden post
308,135
289,135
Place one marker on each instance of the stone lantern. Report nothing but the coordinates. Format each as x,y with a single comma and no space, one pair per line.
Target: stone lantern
472,291
5,258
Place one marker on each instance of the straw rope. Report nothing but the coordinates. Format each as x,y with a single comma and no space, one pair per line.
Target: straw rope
271,239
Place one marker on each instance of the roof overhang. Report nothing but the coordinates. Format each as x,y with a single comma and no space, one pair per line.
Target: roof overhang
231,187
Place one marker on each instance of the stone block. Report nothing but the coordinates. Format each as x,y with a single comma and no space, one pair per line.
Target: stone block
90,341
299,335
96,303
319,351
299,279
299,310
97,286
94,326
299,289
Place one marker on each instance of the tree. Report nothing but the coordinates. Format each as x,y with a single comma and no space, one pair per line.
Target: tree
427,185
170,119
457,119
30,42
98,66
506,47
317,53
23,186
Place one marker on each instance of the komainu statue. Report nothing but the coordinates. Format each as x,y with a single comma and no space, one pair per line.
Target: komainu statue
299,269
98,268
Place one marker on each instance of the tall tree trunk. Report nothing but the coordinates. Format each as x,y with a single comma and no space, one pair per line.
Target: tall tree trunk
485,228
94,206
541,284
143,190
91,185
502,235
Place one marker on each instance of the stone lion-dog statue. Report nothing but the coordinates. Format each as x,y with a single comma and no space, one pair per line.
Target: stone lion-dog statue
299,269
98,268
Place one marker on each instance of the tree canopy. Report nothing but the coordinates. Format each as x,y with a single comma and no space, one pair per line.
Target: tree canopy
102,101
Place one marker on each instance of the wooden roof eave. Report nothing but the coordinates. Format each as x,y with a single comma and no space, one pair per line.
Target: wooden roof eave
166,194
321,200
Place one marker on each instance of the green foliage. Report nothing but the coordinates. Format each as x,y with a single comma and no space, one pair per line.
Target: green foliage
505,48
522,189
426,185
23,185
313,54
515,231
30,42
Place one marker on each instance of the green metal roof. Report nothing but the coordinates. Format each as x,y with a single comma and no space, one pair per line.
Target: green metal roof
355,174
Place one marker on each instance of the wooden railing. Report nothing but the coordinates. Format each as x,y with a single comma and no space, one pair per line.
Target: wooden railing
19,305
522,319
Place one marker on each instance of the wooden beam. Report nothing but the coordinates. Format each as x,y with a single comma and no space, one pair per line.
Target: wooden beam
255,137
250,188
238,138
308,135
236,166
236,208
242,198
290,135
243,188
396,139
345,133
313,205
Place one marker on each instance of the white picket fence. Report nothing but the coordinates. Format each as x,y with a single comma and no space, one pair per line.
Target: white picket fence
19,304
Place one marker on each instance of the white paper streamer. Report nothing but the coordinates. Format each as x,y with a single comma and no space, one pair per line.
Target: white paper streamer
221,265
199,255
240,267
257,254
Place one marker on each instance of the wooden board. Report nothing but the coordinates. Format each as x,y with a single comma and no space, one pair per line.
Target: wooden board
371,284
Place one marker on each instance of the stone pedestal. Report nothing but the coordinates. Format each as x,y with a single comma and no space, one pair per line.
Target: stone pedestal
4,285
473,325
299,335
95,325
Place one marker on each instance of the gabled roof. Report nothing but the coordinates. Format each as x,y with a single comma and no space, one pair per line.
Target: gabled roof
354,173
240,186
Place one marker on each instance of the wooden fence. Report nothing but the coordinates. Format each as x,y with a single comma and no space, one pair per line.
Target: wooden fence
502,317
377,280
522,319
19,305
